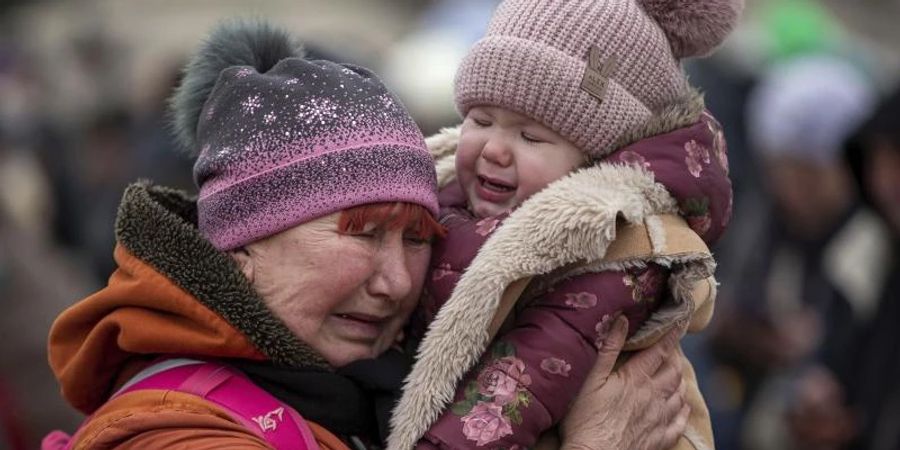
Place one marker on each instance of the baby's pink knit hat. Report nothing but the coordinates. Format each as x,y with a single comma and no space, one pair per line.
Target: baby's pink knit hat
590,70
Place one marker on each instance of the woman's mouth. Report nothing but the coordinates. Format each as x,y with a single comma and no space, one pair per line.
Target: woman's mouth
361,326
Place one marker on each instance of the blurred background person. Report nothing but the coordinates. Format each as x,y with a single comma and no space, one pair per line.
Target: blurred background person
804,288
799,277
858,405
37,278
797,269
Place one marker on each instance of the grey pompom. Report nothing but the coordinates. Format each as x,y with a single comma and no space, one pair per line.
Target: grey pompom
694,27
252,43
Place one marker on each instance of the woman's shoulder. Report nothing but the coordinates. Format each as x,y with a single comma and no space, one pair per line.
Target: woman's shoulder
160,419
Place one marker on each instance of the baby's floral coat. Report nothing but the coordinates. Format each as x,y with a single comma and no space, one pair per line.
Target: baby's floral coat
523,382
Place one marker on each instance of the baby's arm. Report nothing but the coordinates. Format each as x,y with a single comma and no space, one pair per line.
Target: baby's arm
527,379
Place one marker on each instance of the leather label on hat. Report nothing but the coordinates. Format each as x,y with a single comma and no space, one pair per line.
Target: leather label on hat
597,73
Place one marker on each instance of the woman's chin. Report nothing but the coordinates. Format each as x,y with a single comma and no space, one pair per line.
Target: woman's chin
349,352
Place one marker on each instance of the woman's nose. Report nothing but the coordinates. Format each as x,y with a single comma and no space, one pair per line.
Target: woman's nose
392,279
497,151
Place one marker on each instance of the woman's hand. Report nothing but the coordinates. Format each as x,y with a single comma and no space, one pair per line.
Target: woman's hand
640,406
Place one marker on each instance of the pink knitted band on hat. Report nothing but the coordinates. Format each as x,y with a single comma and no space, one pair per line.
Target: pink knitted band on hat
306,189
537,80
298,142
247,166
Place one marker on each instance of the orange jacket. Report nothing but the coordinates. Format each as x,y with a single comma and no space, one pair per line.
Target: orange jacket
172,294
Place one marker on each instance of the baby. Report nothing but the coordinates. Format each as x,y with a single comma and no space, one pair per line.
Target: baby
585,182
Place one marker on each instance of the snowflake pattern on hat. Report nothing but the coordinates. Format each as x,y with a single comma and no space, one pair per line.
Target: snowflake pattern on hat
299,141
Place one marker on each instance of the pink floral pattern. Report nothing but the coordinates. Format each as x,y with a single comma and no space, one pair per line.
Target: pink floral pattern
696,212
697,156
581,300
556,366
486,226
700,224
503,380
719,146
441,271
485,423
603,328
491,403
633,158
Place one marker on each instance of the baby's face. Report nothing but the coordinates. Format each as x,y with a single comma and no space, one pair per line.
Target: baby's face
504,157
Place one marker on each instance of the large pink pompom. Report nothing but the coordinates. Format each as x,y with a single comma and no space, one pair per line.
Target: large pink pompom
694,27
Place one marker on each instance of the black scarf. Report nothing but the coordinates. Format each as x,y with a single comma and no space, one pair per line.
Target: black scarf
355,400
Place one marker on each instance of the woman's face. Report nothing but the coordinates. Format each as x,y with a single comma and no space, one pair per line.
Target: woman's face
346,295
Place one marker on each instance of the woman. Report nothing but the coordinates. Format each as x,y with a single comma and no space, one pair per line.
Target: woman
287,282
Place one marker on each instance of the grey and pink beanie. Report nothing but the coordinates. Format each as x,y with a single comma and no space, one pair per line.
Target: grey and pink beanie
591,70
281,140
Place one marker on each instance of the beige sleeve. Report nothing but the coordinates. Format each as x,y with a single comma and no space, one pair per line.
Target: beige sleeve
705,289
699,434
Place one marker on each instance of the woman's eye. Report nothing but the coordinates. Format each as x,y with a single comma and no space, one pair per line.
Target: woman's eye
363,234
530,138
416,240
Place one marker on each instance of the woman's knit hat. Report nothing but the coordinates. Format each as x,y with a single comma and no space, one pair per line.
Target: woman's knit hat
591,69
282,140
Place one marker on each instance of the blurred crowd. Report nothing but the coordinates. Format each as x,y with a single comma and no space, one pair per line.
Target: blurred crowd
804,351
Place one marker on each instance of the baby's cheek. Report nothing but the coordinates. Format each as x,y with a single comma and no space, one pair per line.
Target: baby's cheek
467,152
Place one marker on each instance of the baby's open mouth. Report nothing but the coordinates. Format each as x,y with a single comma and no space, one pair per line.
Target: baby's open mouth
495,185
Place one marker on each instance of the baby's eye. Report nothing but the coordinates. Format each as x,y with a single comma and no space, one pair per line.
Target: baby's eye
532,139
481,122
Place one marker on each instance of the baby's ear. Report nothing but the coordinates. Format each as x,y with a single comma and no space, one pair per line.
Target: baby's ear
694,27
244,261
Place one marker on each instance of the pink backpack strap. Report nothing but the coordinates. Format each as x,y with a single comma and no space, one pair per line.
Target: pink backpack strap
259,411
272,420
